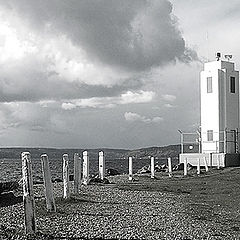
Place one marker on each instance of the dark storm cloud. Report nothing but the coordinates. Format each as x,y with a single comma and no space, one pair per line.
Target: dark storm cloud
134,35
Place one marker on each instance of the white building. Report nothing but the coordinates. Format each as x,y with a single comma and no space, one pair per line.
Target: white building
219,132
219,107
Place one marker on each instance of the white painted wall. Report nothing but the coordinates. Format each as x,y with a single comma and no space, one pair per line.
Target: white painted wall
219,109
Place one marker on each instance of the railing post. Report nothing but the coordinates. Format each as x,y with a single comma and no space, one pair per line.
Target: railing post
218,162
206,164
28,196
66,190
48,187
199,167
170,167
101,161
77,172
185,167
130,169
85,168
235,141
152,168
225,140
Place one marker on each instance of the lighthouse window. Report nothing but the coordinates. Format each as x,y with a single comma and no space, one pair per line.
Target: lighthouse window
232,84
210,135
209,85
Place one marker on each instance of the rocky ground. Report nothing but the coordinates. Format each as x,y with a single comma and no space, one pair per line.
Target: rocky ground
193,207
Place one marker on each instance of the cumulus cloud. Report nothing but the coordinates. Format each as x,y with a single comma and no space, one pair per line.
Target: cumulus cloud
169,98
83,49
31,116
109,102
137,97
133,117
168,105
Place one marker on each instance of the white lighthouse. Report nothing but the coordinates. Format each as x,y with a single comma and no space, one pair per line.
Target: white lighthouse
219,133
219,107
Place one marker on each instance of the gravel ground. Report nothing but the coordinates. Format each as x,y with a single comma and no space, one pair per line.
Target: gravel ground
121,211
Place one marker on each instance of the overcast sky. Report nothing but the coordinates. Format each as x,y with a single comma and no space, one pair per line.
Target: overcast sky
106,73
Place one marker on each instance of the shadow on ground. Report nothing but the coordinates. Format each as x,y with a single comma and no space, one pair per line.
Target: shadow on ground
9,199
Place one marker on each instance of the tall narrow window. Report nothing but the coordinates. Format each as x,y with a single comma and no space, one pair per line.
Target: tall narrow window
209,84
210,135
232,84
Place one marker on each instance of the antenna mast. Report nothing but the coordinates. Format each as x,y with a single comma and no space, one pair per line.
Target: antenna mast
207,39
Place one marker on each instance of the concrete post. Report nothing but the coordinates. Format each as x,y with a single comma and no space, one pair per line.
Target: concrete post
48,187
185,167
28,196
130,169
152,168
170,167
77,173
101,162
66,190
205,163
198,167
85,168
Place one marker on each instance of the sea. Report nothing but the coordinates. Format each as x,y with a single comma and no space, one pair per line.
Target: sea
11,169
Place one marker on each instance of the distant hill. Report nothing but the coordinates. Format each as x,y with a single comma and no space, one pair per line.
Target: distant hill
158,152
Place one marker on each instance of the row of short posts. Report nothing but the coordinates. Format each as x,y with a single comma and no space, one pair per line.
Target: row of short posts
152,167
185,168
130,168
199,165
28,194
77,171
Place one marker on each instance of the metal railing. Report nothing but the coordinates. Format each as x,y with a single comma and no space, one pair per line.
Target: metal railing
222,142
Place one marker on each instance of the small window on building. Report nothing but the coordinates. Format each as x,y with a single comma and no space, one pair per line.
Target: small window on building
209,84
210,135
232,84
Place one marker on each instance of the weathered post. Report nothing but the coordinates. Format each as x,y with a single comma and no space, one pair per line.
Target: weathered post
185,167
77,172
66,190
152,168
170,167
28,196
206,164
101,160
218,162
198,166
130,169
85,168
51,207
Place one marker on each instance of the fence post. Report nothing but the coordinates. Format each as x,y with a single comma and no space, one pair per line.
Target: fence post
152,168
66,190
130,169
185,167
205,163
198,167
101,162
77,172
85,168
170,167
218,162
28,196
51,207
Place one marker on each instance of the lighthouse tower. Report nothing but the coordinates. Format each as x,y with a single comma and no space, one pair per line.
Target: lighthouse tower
219,106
